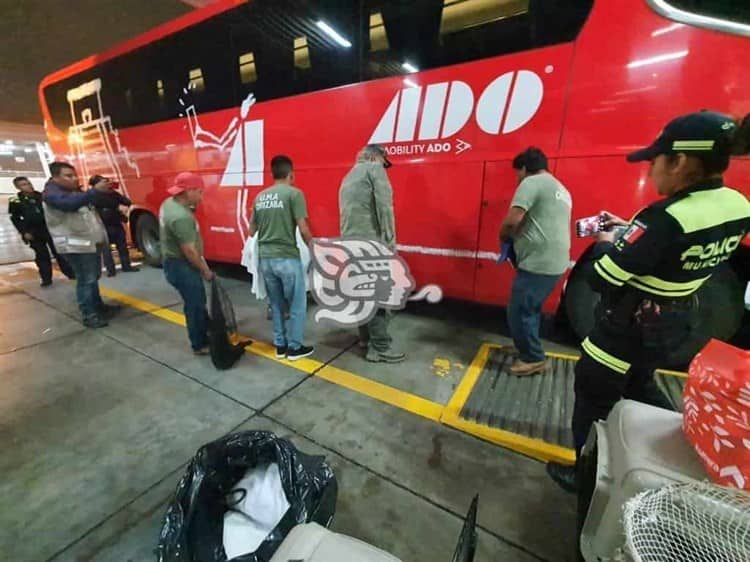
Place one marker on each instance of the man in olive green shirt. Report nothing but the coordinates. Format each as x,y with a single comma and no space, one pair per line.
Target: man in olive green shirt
366,206
277,212
538,222
182,253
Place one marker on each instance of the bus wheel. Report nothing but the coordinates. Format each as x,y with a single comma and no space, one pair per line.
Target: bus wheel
147,237
720,311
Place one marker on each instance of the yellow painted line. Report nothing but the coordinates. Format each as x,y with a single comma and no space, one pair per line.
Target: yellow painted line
470,378
448,415
572,357
534,448
381,392
144,306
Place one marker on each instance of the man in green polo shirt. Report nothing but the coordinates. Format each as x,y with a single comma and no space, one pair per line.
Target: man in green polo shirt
182,253
277,212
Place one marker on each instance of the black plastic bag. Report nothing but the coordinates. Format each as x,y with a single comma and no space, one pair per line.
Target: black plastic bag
193,524
225,344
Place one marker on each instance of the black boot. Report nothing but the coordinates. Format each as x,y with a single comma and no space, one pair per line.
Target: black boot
564,475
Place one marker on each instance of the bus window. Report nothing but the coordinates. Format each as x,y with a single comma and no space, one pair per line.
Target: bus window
433,33
301,53
464,14
292,52
730,10
248,75
279,48
195,80
378,38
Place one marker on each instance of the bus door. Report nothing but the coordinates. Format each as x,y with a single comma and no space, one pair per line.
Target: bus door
533,116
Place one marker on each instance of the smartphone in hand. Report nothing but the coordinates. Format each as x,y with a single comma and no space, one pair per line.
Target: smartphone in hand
590,226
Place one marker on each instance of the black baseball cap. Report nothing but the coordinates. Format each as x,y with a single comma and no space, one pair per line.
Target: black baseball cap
378,149
705,133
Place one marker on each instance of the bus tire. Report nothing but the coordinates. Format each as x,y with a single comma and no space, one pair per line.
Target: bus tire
147,238
719,314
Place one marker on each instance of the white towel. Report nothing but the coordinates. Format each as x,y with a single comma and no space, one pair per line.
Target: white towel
249,261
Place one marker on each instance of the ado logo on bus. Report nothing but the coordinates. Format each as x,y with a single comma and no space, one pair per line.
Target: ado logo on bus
442,110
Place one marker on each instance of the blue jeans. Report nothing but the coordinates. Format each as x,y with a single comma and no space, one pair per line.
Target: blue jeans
285,284
189,283
527,296
87,268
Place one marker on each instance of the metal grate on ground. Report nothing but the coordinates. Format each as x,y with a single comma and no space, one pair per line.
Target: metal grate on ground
530,414
538,406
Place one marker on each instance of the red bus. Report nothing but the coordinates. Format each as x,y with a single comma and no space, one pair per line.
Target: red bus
453,88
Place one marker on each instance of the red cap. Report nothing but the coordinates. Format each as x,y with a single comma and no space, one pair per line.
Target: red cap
185,181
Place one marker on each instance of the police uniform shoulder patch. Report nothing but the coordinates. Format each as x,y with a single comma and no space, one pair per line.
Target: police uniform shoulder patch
634,232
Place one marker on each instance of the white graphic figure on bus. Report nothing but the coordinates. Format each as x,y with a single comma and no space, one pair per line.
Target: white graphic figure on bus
93,141
245,165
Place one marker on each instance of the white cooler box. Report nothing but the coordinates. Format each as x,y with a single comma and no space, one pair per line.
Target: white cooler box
312,543
638,447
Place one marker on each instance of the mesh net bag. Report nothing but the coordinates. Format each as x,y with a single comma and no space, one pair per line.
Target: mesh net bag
225,344
696,522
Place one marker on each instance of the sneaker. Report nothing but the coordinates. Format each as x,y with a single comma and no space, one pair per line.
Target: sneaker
281,351
387,356
111,273
300,352
46,283
95,322
201,351
522,368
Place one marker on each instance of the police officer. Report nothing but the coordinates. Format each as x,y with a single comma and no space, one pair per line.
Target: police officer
649,275
27,214
107,202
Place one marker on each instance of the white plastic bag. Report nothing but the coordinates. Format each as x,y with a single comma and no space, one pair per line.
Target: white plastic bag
261,506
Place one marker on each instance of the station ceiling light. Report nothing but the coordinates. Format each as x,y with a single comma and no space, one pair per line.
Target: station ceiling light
333,34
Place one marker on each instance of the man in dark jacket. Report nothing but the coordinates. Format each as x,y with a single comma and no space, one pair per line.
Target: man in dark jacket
79,234
107,202
27,214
